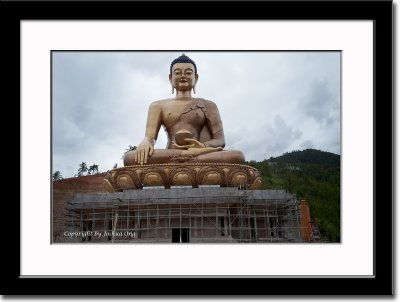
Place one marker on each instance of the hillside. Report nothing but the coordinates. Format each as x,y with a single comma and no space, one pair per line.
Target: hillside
310,174
308,156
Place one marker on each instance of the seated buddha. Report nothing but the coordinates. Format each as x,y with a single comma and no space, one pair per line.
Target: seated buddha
193,125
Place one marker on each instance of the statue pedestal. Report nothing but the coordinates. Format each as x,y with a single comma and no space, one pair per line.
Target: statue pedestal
182,174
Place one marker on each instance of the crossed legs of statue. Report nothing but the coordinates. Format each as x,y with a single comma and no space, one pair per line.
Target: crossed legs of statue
163,156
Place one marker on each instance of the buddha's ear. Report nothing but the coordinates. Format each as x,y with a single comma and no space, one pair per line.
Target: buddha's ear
170,80
195,82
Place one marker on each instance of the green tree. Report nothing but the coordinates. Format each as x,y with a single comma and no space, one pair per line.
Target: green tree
82,169
93,169
57,175
130,148
310,174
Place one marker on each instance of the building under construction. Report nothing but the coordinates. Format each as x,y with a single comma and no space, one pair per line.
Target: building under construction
186,215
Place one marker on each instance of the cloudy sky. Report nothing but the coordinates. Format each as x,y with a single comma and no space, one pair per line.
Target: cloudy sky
269,102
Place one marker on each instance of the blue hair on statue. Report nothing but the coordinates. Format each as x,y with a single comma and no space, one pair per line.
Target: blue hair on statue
183,59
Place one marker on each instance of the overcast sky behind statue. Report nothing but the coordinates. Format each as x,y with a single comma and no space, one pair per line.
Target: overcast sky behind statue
269,102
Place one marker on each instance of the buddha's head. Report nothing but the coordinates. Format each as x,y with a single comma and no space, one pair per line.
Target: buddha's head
183,74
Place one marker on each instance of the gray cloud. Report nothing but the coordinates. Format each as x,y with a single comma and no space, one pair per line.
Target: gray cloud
270,139
321,103
307,144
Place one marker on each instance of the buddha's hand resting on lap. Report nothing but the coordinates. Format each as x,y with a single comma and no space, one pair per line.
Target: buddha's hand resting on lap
144,150
191,143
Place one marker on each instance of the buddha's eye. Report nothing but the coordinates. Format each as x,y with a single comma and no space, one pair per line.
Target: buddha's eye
188,73
177,72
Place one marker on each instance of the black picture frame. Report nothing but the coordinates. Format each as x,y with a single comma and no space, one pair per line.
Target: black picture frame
379,11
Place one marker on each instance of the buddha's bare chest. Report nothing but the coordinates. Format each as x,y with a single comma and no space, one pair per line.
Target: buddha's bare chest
176,111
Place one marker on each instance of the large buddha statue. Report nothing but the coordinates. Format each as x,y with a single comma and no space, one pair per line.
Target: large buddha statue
194,154
193,125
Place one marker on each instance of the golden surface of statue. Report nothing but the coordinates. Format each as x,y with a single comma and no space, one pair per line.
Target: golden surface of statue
198,120
194,154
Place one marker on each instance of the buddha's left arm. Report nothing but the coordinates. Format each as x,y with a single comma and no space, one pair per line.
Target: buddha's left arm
214,124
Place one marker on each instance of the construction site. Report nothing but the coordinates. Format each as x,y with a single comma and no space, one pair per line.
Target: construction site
186,215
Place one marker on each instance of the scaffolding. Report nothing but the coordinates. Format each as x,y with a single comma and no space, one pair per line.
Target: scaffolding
214,215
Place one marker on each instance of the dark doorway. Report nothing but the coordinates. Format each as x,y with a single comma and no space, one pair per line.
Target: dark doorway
185,235
180,235
176,236
222,224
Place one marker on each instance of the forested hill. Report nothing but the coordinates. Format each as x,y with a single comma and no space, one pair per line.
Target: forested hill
308,156
310,174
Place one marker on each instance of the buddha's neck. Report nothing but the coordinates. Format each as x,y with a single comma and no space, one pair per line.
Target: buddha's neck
183,95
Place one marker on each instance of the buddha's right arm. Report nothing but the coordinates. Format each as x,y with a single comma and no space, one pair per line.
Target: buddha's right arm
146,147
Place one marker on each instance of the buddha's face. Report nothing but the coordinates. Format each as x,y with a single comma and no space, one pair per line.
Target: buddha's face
183,76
